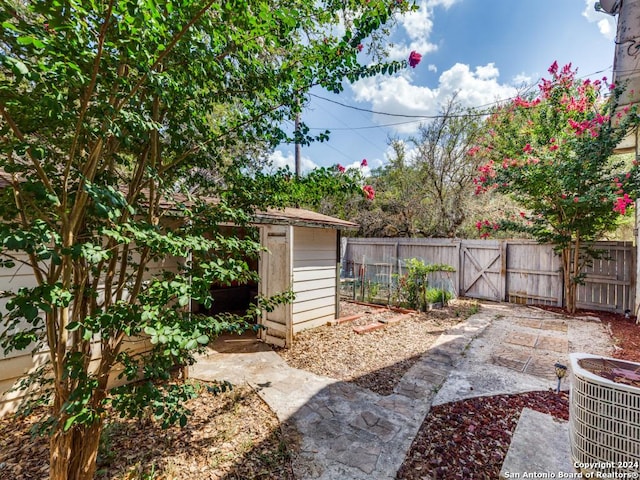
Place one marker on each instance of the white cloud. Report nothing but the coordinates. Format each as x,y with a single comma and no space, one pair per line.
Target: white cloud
366,171
432,68
399,96
280,160
606,23
442,3
606,28
522,79
410,152
417,26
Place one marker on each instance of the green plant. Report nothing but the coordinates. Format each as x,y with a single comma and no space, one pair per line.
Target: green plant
414,285
438,295
118,119
373,289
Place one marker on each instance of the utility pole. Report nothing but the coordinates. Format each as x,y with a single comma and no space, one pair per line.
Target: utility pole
297,148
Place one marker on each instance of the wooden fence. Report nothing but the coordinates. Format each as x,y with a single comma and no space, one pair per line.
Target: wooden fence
517,271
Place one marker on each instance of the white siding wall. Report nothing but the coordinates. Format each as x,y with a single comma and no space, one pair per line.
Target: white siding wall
16,364
314,277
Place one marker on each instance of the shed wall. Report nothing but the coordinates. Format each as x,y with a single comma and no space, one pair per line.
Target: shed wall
314,277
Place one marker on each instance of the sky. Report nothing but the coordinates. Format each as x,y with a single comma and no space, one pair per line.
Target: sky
486,50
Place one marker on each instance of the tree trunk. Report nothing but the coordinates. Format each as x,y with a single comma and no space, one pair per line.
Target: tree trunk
569,284
570,269
73,453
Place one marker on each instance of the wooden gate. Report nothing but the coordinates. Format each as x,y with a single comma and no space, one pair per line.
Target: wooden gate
483,270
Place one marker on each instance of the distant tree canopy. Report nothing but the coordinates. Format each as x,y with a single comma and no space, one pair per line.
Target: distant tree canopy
426,189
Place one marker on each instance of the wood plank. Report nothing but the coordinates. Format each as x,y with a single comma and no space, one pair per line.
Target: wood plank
312,323
315,263
301,317
302,274
307,255
315,293
319,284
313,304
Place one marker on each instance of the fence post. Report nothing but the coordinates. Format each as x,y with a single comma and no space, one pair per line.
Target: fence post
504,249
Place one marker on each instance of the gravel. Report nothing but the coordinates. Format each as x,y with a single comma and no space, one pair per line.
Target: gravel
376,360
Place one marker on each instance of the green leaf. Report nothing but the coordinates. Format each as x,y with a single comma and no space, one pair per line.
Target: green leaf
73,326
18,67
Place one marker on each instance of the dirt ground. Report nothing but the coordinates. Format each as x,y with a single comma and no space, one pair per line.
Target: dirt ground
236,436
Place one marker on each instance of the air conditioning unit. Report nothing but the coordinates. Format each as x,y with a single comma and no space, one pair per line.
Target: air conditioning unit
604,416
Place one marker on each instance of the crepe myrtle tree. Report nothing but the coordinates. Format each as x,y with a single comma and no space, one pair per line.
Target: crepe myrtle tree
108,110
552,153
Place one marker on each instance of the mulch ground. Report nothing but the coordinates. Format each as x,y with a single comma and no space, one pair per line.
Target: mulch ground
470,439
231,436
376,360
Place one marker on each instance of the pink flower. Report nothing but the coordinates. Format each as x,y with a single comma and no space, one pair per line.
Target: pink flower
341,168
553,69
563,196
527,148
414,59
576,199
621,204
364,163
360,47
369,192
522,214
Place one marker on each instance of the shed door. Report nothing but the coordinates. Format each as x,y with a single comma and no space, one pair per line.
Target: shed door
275,277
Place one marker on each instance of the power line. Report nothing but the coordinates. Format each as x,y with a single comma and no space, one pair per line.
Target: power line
384,125
388,113
432,117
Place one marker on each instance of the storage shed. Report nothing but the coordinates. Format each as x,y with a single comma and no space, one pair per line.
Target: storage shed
303,256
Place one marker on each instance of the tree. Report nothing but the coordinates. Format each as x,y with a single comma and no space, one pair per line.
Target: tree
552,153
110,113
427,186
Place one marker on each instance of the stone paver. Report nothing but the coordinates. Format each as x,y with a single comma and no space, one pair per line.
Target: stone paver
344,431
557,325
530,322
541,368
553,343
523,339
347,432
512,359
527,458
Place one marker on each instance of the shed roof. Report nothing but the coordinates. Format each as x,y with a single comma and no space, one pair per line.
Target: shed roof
300,217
